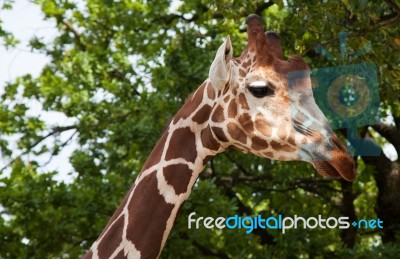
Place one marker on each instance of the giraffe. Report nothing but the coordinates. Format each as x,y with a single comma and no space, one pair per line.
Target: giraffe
246,104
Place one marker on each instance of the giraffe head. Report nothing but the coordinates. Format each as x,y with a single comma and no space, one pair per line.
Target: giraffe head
264,105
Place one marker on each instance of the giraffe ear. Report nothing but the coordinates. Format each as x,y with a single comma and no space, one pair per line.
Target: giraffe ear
220,67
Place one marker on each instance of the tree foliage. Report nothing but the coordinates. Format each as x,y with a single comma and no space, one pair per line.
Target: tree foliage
119,70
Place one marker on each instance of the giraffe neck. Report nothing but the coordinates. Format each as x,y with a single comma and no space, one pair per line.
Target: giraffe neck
142,223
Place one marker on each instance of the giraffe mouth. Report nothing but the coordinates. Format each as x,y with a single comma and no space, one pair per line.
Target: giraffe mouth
327,169
341,165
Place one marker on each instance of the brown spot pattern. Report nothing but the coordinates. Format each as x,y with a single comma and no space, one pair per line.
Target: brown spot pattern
178,176
282,147
226,88
258,143
292,139
207,139
218,114
269,154
262,126
182,145
203,114
210,92
247,63
148,215
236,133
246,122
232,109
243,102
112,238
155,155
220,134
120,255
234,91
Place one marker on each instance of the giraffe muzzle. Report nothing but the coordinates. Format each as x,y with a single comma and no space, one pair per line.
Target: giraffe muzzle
339,165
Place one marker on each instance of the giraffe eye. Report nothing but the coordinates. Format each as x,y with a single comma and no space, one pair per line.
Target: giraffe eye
260,89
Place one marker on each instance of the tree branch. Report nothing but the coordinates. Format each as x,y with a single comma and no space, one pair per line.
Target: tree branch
393,5
387,20
209,251
62,145
77,35
348,236
167,20
55,130
262,7
205,250
387,179
244,178
397,121
265,237
241,168
390,133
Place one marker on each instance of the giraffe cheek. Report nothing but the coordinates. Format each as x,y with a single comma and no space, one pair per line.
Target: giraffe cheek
282,131
282,147
246,123
236,133
258,144
262,126
243,102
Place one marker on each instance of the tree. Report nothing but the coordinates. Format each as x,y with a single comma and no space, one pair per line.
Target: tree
121,69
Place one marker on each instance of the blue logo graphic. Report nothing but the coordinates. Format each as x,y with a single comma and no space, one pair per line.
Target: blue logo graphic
368,224
249,223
